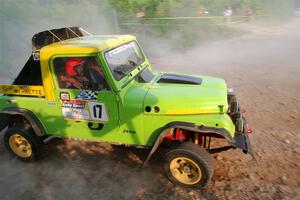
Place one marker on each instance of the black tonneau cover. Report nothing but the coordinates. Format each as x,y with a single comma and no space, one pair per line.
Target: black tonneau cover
47,37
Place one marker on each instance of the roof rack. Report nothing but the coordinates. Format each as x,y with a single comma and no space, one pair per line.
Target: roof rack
48,37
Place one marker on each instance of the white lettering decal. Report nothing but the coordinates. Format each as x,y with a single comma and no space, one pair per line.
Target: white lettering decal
120,49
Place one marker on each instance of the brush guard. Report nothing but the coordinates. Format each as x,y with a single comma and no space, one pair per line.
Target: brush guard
241,137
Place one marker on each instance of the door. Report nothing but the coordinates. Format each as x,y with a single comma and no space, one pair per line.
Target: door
87,107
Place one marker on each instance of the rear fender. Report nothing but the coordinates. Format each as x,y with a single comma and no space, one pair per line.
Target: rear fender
7,115
4,120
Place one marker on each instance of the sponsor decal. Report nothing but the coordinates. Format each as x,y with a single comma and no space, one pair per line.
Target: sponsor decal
84,110
87,95
75,109
73,104
74,113
23,90
64,96
120,49
51,103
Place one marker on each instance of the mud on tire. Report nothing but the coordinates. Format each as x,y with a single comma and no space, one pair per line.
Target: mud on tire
188,165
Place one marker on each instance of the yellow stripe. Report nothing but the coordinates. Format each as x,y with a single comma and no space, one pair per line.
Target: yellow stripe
23,90
192,111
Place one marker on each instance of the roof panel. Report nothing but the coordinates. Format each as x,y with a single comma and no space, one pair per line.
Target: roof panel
87,44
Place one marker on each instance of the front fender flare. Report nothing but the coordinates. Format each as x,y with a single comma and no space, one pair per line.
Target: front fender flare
189,127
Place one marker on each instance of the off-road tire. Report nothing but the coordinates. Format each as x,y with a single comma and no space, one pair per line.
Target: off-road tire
191,153
32,141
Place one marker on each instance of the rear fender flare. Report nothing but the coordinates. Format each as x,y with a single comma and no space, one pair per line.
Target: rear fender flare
7,114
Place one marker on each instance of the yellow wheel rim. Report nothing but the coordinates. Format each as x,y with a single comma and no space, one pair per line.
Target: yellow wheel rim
185,170
20,146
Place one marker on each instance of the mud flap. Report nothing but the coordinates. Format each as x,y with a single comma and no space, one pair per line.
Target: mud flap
241,138
242,142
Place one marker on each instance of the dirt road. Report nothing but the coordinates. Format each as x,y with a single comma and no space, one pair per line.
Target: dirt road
264,69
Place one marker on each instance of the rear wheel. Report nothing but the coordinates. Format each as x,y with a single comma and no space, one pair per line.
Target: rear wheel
188,165
23,144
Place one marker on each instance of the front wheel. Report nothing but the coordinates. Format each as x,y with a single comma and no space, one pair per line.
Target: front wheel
188,165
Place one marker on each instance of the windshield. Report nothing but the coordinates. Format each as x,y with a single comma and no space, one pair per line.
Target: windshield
124,59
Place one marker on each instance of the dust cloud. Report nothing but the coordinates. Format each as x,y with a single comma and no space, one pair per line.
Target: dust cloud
21,19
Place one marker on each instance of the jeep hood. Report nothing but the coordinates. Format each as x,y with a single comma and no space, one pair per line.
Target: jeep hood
180,94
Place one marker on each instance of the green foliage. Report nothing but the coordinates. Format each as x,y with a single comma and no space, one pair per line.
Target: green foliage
131,7
189,32
156,8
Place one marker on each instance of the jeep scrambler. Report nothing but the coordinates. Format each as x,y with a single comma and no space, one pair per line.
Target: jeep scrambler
103,88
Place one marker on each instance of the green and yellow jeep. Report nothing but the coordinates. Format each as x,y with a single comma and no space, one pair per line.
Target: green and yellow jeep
103,88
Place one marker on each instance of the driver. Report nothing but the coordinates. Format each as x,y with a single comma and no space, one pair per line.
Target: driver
96,74
75,78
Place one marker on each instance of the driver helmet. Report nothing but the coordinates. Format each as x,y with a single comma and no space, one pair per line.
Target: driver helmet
71,64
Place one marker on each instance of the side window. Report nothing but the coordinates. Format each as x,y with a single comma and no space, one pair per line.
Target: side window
30,74
79,73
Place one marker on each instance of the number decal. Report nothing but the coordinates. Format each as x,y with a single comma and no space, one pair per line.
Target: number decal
99,127
97,111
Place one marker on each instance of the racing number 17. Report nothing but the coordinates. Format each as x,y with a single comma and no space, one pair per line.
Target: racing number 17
97,111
